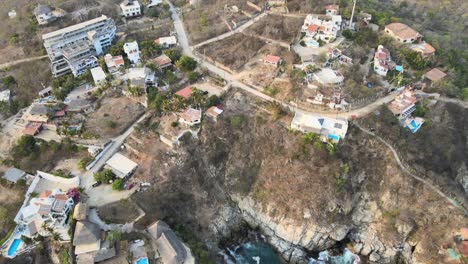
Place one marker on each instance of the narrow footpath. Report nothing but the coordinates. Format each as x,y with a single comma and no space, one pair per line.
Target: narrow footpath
405,170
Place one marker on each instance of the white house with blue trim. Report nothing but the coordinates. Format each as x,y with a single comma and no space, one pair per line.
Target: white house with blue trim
326,127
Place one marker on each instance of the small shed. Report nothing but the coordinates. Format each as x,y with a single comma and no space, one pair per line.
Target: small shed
121,166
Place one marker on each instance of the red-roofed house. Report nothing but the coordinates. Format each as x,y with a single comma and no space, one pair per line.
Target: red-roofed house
190,117
273,60
463,248
185,93
332,10
214,112
32,128
311,29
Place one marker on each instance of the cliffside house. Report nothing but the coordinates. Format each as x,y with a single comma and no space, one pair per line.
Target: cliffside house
99,76
404,104
87,237
329,97
50,208
43,14
332,10
163,62
214,112
132,51
121,166
190,117
166,42
185,93
423,48
114,63
382,61
13,175
45,92
38,113
327,128
78,106
402,33
272,60
130,8
324,29
32,129
434,75
169,246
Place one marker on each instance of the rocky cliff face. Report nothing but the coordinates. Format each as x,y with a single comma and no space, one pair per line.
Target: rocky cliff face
248,167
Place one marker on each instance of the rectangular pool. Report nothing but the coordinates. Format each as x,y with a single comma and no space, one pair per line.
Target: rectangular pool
13,247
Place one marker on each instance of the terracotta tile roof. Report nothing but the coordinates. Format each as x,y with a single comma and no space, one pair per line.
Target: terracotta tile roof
312,28
162,60
272,59
191,115
464,233
403,31
45,194
435,74
463,247
214,111
185,93
332,7
423,48
32,128
61,197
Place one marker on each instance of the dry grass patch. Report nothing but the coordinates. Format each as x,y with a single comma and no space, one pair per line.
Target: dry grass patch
114,116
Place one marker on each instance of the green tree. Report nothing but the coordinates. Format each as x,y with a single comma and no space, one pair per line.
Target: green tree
186,63
8,81
193,76
117,49
105,175
24,146
149,49
173,54
136,91
118,184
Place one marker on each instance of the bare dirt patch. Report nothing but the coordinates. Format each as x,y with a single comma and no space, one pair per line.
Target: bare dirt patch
234,51
120,212
114,116
277,27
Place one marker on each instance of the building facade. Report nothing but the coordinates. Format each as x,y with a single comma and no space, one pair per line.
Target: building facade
130,8
74,49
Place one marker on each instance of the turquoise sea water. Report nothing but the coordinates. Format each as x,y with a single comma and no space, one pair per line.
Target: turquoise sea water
254,253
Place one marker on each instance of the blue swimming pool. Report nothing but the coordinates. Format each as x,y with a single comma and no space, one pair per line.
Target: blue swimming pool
334,137
142,261
13,247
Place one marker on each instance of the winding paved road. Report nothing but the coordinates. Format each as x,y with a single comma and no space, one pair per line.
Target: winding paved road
187,50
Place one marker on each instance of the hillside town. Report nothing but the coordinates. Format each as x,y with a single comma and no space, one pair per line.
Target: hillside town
136,93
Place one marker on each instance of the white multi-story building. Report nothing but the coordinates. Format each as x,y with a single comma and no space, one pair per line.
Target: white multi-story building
74,49
130,8
132,51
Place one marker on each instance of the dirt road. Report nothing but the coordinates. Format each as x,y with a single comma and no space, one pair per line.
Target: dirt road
405,170
13,63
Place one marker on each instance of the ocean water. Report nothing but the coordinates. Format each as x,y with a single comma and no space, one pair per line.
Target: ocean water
257,252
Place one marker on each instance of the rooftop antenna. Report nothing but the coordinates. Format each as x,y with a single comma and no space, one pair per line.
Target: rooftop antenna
352,15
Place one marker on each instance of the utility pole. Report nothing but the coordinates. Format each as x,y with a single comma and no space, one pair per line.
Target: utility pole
352,15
